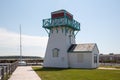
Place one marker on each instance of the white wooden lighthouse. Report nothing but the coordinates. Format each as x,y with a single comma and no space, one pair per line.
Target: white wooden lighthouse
62,29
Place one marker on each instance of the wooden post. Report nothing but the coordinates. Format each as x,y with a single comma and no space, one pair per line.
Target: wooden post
6,75
9,70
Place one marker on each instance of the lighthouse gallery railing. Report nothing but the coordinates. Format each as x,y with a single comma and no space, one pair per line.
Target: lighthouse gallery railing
48,23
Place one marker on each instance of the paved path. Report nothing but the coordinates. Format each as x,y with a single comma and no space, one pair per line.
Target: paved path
108,68
24,73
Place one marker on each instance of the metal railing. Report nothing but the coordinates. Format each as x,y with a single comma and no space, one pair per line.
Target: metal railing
48,23
7,69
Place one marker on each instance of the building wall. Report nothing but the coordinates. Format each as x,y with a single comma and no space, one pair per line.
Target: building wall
85,62
59,38
95,53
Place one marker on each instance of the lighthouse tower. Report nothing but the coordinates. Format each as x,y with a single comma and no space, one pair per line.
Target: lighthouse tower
62,29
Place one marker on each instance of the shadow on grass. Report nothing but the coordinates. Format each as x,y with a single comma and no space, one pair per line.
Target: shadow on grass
49,69
58,69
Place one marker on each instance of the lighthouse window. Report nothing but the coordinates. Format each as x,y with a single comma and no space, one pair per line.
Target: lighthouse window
70,38
95,58
55,52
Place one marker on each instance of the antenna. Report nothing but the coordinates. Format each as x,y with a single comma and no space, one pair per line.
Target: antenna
20,45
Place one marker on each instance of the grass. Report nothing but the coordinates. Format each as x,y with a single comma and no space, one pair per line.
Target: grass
77,74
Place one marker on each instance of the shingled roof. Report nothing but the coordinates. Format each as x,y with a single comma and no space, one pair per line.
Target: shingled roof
81,47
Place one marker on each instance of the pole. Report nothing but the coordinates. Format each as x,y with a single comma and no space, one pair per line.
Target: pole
20,45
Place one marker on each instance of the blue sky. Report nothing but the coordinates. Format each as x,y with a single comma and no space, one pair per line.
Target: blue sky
100,23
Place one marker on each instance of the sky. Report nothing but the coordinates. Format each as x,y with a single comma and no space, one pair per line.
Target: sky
99,19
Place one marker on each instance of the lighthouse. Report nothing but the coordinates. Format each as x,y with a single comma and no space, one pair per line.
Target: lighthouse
62,30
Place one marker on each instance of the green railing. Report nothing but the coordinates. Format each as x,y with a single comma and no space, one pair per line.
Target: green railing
49,23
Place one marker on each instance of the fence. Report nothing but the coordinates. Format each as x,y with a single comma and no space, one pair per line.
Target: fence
7,69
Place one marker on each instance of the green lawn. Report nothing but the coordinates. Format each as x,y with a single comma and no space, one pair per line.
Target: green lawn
77,74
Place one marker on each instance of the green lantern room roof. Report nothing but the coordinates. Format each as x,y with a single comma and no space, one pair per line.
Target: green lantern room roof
61,18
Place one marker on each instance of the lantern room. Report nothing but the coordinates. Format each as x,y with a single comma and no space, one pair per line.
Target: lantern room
61,14
61,18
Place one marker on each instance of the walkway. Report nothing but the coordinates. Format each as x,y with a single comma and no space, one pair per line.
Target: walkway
108,68
24,73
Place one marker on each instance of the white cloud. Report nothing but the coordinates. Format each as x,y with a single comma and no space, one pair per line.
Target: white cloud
32,45
34,41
